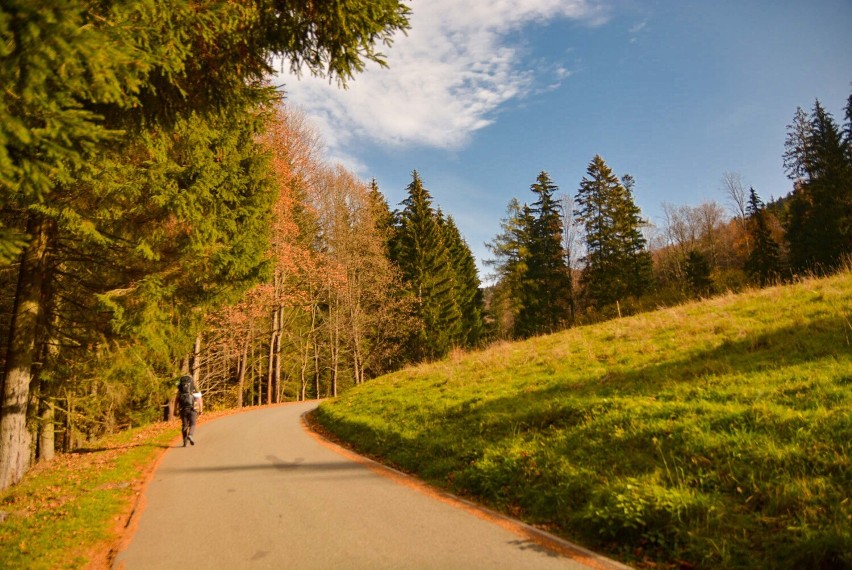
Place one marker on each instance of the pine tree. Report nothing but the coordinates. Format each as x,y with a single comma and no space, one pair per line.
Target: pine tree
466,285
819,161
616,265
166,242
390,313
698,273
638,259
763,264
419,250
84,78
510,249
547,292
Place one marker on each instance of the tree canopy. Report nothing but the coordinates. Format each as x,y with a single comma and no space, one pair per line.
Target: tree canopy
128,134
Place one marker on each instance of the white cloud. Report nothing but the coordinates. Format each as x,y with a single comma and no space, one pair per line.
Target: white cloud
446,78
637,29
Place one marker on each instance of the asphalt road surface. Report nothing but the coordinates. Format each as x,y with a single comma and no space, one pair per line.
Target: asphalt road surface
259,491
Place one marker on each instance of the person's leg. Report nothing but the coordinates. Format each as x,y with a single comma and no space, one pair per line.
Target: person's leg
184,427
193,417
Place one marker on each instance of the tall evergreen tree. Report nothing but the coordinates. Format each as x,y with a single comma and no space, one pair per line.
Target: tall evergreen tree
819,161
617,264
510,249
763,264
698,273
421,253
547,291
83,77
638,258
466,285
163,240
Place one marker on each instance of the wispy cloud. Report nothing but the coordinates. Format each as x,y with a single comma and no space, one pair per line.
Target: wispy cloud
447,77
637,29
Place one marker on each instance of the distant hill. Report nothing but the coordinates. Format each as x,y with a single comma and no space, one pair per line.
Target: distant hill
710,435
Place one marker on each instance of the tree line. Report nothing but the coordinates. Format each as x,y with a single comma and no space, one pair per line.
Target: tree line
162,212
562,260
355,289
135,193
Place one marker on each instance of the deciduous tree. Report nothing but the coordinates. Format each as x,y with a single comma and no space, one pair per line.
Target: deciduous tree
86,77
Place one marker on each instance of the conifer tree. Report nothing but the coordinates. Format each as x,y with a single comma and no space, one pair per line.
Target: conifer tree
418,248
698,273
616,265
162,241
81,78
382,214
510,249
465,284
547,291
819,161
763,263
638,259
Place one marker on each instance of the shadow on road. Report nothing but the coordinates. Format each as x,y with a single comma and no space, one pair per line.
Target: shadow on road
529,545
296,465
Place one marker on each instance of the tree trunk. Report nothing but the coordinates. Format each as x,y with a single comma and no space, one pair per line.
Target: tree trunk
357,365
242,362
303,376
15,439
196,360
67,439
276,380
47,437
316,358
270,366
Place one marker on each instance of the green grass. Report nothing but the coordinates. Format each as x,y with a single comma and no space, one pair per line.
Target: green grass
718,434
68,513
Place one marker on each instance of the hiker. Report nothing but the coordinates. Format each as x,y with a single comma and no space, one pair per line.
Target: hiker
189,406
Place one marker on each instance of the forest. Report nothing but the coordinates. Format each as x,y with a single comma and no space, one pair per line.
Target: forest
162,211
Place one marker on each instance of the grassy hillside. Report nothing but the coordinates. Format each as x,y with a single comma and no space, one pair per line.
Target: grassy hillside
716,434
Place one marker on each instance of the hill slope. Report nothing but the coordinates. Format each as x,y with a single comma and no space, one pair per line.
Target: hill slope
716,434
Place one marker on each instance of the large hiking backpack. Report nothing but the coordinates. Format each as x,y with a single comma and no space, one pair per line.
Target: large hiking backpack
186,400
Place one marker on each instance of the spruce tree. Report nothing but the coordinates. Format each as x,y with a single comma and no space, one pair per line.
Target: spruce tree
83,78
163,241
698,273
819,161
510,249
763,264
638,258
466,286
421,253
547,290
616,265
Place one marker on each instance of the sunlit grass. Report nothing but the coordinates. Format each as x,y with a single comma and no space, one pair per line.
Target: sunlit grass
67,514
718,432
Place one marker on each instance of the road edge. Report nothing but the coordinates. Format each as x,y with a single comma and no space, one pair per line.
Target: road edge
535,535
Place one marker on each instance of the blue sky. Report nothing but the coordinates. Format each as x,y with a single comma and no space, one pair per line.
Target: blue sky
482,95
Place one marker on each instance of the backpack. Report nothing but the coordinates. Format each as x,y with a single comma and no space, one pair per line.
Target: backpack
186,401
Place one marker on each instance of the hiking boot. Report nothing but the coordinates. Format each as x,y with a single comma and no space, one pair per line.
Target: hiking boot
184,442
192,441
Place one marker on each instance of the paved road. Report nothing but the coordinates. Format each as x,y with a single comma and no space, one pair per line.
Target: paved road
259,491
